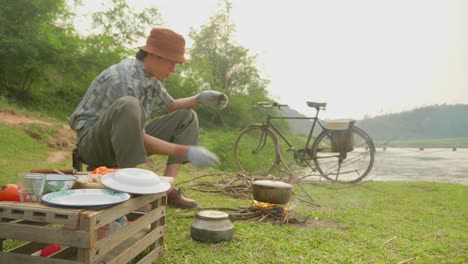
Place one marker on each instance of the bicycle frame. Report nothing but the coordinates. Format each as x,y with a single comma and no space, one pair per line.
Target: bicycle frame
315,119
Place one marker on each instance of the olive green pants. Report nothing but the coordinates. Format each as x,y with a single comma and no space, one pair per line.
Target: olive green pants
116,139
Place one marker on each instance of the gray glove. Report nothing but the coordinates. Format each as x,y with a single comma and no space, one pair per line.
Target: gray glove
213,99
201,157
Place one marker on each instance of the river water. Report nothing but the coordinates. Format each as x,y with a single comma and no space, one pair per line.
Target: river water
412,164
430,164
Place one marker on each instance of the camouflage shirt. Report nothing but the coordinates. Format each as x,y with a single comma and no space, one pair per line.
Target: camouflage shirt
127,78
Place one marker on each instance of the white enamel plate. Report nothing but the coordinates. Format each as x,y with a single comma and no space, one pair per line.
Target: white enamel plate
85,198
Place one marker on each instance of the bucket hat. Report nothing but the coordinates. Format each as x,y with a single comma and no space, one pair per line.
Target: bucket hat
166,43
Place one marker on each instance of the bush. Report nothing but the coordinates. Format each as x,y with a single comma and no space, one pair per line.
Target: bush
220,142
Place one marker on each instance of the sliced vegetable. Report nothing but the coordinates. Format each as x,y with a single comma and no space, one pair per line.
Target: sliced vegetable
102,170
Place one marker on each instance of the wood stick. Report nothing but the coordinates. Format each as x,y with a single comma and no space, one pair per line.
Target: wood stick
389,240
309,202
406,260
261,219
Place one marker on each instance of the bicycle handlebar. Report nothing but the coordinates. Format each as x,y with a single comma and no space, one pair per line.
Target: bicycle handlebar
270,104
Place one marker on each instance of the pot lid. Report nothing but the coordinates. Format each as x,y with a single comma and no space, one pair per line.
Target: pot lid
212,215
273,184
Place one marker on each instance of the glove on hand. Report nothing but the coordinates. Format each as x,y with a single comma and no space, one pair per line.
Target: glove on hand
201,157
213,99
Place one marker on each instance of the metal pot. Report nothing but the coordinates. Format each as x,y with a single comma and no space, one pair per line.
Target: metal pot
212,226
275,192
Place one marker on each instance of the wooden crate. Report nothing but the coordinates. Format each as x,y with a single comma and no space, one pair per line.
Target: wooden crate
76,230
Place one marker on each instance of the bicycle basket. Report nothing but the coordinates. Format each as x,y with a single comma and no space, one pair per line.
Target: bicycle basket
342,138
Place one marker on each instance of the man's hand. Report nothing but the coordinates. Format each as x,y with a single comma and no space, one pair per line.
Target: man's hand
201,157
213,99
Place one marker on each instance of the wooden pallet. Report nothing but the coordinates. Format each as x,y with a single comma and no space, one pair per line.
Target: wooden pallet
76,230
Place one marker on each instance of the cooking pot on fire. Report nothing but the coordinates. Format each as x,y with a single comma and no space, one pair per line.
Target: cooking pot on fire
274,192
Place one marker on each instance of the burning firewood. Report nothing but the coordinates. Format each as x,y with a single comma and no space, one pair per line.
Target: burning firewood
236,185
259,212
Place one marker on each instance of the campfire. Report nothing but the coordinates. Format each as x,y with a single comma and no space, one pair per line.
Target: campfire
266,212
262,212
243,186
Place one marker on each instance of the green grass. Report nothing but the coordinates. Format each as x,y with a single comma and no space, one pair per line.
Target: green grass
373,222
19,153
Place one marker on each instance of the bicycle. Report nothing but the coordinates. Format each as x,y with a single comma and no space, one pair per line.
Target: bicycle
341,152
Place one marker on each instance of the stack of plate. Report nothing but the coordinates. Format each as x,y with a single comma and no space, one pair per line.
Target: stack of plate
122,182
136,181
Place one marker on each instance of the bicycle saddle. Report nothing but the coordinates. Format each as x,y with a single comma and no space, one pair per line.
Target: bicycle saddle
316,105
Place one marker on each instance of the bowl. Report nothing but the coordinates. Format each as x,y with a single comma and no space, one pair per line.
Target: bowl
59,182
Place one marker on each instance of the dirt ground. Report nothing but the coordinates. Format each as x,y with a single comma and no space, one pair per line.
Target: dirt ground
62,141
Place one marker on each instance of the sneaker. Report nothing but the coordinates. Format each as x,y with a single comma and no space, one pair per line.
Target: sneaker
176,199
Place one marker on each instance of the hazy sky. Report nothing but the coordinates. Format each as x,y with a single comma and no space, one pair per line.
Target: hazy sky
361,56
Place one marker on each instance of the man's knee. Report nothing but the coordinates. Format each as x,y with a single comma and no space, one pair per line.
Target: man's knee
128,102
189,115
128,106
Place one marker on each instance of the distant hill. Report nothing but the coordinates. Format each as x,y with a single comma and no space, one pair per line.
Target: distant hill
297,126
436,121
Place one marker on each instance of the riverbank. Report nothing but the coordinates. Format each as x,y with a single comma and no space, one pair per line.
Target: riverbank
416,164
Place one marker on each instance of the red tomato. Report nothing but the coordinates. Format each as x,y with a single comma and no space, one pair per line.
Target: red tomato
9,192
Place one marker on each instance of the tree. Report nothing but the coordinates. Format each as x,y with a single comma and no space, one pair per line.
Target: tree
28,32
42,58
120,26
232,67
217,62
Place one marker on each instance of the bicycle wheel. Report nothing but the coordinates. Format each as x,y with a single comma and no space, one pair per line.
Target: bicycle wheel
348,166
256,150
